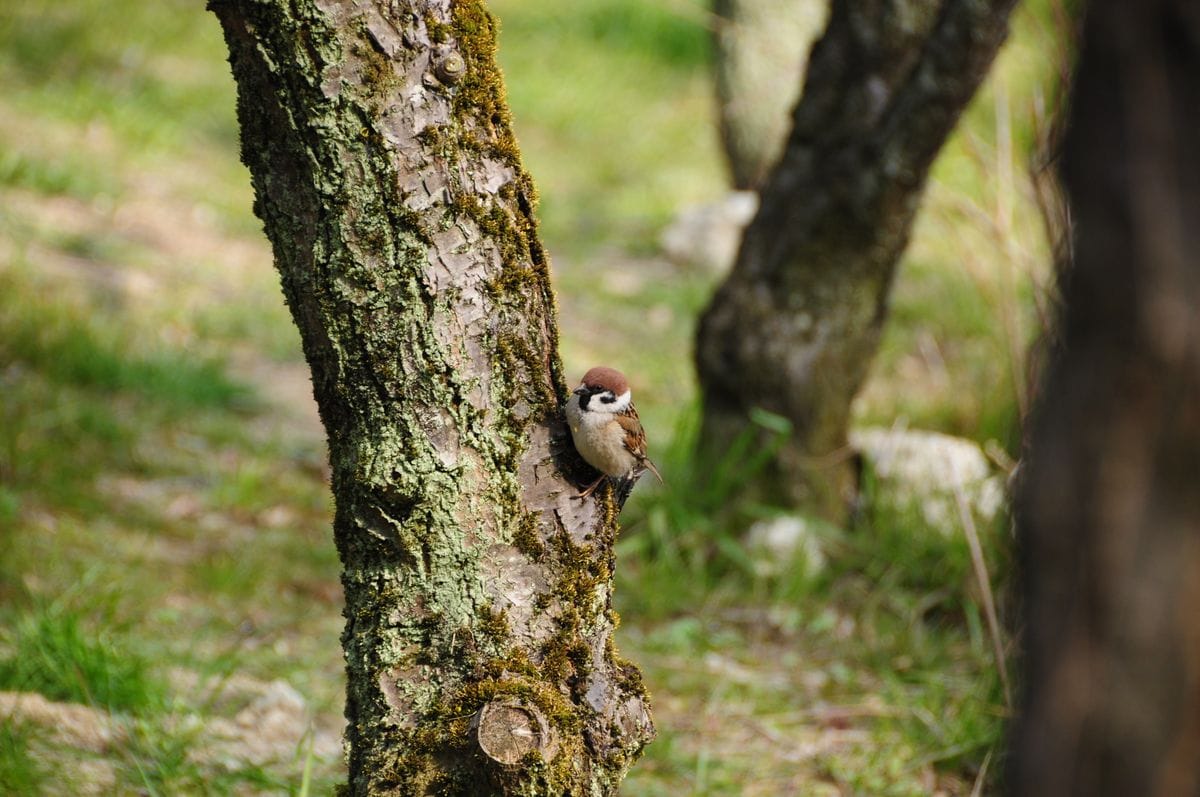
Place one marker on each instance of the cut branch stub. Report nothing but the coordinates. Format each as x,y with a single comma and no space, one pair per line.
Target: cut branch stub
508,730
449,67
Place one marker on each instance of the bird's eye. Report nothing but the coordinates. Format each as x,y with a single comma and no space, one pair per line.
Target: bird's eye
608,398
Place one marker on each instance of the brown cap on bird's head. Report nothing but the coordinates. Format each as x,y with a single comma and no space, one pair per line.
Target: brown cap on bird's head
606,379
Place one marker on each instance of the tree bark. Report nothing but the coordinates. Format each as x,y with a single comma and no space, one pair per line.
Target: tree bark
1109,508
761,48
478,635
794,327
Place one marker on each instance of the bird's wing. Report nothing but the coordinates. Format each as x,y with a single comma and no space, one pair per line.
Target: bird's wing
635,438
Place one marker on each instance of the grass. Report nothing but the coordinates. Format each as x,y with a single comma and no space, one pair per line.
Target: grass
74,350
161,761
623,81
889,610
51,651
164,547
20,771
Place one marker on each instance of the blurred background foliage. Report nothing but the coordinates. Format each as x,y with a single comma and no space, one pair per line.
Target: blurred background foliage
168,585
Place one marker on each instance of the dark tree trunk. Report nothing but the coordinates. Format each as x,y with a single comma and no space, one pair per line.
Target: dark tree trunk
478,634
794,327
1109,516
761,48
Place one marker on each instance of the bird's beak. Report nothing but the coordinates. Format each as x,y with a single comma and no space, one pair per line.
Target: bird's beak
579,391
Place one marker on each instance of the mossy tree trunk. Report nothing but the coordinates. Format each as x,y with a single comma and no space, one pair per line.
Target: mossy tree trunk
760,48
794,327
478,636
1109,508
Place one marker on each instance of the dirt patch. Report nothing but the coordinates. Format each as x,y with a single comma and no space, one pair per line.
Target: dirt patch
270,724
70,724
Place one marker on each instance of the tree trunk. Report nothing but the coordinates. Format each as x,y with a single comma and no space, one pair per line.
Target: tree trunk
794,327
1109,510
761,48
478,634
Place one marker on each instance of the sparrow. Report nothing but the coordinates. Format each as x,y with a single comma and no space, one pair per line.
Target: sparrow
605,427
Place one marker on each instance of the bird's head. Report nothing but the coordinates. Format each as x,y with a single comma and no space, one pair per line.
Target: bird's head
603,390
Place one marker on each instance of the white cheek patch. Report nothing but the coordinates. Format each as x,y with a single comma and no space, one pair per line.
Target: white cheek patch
621,404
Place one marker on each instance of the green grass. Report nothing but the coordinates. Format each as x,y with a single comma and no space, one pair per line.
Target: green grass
20,771
97,435
69,350
55,652
149,473
134,68
890,611
160,762
20,170
622,81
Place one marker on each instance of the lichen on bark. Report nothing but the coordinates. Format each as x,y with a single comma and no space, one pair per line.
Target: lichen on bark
402,221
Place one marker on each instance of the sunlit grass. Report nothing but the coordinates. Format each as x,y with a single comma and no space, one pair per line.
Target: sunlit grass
56,652
624,82
884,626
70,349
20,771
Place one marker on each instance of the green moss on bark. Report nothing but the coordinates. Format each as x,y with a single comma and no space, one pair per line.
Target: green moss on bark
527,538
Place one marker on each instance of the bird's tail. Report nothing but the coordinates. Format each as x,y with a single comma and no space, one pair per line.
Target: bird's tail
623,486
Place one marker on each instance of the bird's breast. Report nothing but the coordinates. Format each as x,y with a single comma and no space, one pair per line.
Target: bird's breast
600,440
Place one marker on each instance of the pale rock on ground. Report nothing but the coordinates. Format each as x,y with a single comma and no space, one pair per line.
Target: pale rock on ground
925,472
912,471
786,541
85,729
707,236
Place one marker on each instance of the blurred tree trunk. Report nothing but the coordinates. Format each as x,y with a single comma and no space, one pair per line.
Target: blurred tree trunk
761,51
478,636
795,325
1109,520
